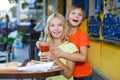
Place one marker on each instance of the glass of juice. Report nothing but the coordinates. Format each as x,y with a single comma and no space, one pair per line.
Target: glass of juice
44,46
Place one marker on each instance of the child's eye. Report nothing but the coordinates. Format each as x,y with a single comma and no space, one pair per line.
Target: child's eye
80,14
73,13
52,25
59,24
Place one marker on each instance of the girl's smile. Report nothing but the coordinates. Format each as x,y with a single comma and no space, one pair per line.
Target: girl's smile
56,28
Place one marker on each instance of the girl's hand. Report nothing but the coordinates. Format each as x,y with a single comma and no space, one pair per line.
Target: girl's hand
44,56
37,44
47,56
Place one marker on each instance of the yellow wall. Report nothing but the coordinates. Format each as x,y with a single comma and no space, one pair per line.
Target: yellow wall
95,55
110,60
83,26
105,58
68,3
60,8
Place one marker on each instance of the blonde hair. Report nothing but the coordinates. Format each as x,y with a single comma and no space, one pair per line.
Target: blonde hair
75,7
47,32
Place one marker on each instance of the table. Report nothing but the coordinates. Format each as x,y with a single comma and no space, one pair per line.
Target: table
15,74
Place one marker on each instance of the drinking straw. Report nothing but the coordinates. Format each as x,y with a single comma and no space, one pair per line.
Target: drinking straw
45,38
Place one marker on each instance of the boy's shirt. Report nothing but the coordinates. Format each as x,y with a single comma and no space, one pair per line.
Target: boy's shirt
82,69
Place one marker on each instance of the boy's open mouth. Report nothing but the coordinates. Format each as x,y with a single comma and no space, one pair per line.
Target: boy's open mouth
75,20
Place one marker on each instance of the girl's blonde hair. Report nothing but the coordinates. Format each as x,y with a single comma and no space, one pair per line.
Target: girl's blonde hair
76,6
47,32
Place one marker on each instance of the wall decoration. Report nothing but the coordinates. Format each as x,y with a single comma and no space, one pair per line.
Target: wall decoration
84,3
111,27
118,3
94,25
97,6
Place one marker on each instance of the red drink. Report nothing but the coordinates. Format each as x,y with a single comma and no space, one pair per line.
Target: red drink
44,48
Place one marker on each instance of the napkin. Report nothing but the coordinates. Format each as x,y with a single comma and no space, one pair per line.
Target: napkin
43,67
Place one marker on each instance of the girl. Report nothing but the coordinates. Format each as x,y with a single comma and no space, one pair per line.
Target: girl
56,31
83,70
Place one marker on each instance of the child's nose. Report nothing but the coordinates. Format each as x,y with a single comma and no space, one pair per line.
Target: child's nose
56,27
76,15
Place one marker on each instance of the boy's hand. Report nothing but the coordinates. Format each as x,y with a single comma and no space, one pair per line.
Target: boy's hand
57,52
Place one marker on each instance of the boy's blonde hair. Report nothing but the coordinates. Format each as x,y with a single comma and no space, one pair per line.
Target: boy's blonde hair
47,32
76,6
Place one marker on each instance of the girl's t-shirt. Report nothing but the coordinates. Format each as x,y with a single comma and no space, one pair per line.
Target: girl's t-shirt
69,48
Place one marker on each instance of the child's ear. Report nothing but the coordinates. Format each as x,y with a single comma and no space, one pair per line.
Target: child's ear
83,19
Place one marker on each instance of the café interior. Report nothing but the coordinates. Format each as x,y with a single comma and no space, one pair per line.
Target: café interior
101,24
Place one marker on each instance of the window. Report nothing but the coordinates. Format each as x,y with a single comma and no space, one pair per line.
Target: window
30,9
